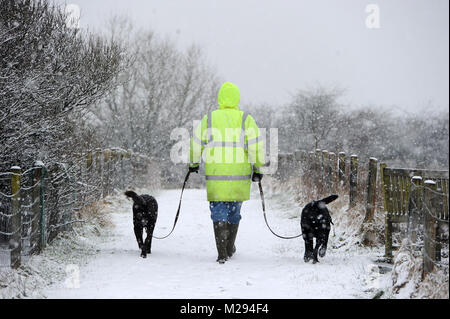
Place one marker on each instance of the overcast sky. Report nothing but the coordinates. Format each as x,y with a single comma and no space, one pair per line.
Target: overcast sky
272,48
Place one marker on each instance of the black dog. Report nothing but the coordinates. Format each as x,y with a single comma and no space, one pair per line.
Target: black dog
316,222
145,212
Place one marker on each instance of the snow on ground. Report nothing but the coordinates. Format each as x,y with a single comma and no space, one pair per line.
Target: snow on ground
184,266
53,263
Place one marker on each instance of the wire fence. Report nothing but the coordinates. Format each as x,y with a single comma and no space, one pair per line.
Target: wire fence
323,173
40,202
418,199
422,207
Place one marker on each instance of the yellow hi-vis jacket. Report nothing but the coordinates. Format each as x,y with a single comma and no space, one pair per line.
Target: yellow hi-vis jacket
232,144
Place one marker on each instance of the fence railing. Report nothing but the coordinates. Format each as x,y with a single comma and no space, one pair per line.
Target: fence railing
324,172
418,198
399,193
38,203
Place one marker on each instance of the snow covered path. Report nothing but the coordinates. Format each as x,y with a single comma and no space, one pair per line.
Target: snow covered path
183,265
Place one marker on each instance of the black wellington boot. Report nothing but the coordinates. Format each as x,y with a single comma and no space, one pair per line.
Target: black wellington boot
232,232
221,235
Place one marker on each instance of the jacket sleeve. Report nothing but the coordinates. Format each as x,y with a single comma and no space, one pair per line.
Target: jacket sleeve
255,143
198,143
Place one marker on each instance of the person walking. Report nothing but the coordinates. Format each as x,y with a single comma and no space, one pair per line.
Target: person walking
234,153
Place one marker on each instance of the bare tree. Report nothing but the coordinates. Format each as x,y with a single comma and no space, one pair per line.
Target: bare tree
367,132
315,119
162,89
311,117
49,75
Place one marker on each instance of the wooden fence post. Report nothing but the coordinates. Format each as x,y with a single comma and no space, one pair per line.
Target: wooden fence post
353,180
68,207
112,171
430,207
282,164
43,213
332,172
383,185
317,179
371,190
415,207
135,165
83,175
291,167
140,163
280,169
341,170
311,160
15,221
303,165
369,233
325,171
388,237
36,208
318,161
298,163
99,168
88,165
122,171
128,169
385,181
445,190
106,172
88,175
309,170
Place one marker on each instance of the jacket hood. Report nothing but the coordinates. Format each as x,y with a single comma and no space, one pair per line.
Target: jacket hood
229,96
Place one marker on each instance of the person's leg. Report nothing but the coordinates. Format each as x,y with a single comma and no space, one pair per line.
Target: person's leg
234,217
234,212
219,211
219,215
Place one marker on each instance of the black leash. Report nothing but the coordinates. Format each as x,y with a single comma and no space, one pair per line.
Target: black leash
179,207
262,202
265,217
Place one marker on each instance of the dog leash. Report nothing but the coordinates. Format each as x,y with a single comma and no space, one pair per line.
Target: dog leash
261,193
179,208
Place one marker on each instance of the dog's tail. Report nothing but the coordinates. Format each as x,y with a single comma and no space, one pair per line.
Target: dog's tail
135,197
329,199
